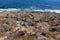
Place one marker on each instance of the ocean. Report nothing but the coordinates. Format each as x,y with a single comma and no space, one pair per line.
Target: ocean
36,5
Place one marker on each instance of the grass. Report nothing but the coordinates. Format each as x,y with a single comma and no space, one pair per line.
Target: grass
25,16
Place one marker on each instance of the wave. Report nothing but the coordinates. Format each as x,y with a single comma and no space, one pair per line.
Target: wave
48,10
40,10
9,9
45,10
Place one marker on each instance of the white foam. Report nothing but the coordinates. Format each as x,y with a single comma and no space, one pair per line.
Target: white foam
41,10
48,10
11,9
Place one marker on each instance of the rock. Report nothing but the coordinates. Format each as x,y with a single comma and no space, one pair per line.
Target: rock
52,18
43,34
32,34
9,38
53,30
37,21
23,19
30,23
3,38
43,26
17,19
23,24
20,33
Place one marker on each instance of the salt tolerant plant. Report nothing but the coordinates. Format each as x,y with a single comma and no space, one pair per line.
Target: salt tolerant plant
25,16
7,16
58,29
31,23
6,28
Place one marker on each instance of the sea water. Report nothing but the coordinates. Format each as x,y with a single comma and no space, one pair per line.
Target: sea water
36,5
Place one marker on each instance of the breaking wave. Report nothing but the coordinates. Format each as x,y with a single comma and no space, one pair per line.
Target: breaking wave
9,9
41,10
48,10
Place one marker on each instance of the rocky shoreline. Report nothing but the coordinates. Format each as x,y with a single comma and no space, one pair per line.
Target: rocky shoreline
29,25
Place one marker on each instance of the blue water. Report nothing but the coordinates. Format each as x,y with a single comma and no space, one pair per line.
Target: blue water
30,4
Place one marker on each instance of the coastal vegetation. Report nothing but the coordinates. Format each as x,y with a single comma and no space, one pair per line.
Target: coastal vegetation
29,25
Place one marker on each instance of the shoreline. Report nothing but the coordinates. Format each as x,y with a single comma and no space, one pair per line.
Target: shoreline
41,10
